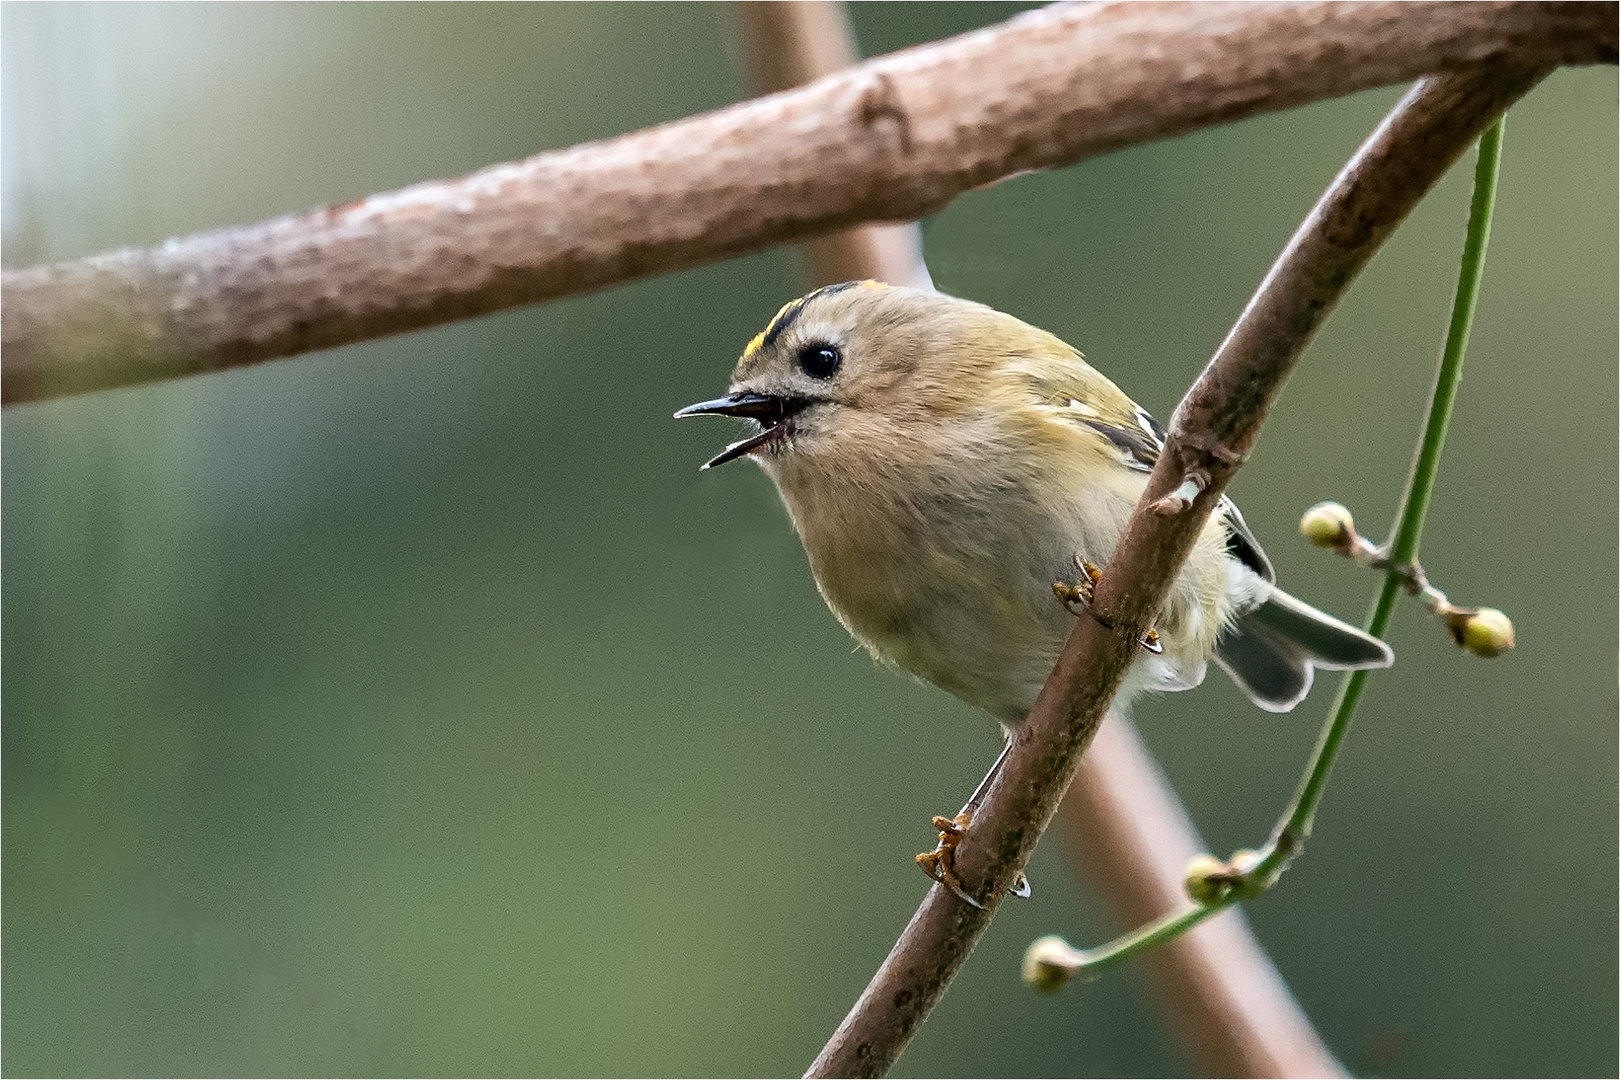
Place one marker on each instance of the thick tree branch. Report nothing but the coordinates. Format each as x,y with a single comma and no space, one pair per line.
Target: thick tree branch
892,139
1211,434
1216,987
788,43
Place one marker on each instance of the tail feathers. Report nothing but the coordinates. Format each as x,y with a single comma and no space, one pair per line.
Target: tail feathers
1271,652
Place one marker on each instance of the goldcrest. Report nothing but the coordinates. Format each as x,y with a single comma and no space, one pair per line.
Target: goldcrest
945,463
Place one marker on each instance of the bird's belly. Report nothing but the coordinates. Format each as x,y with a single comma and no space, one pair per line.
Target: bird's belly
985,626
953,583
981,624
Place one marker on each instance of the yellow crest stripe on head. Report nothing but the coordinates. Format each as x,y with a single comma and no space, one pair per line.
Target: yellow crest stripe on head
790,311
778,323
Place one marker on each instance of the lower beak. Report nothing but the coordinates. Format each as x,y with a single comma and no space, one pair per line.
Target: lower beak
767,411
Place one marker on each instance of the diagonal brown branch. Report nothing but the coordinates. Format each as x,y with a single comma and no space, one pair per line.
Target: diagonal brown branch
892,139
1215,987
1211,433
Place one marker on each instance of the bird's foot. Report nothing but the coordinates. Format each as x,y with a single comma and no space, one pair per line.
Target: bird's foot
1084,591
1081,592
940,864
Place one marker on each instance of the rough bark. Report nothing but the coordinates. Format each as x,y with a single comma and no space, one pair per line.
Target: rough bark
891,139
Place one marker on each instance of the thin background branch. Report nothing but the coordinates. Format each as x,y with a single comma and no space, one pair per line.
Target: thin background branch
892,139
1211,434
1216,987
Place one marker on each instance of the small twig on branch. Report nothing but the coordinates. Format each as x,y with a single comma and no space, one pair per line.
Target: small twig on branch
1216,988
892,139
1212,432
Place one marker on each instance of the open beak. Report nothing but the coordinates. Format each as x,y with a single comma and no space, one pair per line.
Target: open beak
769,412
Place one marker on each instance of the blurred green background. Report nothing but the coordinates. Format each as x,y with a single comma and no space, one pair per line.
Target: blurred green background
418,708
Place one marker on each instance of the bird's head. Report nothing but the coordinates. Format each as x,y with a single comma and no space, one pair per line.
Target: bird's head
860,366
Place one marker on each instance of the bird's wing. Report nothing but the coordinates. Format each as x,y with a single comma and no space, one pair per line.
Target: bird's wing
1086,398
1136,435
1068,389
1241,542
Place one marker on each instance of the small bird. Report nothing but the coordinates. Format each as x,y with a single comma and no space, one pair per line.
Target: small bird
947,466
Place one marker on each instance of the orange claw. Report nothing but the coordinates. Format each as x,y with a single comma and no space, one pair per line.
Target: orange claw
939,864
1084,590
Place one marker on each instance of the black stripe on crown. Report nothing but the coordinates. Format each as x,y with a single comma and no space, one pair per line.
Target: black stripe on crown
785,318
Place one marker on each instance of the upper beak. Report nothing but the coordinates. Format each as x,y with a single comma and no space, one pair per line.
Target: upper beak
767,411
761,407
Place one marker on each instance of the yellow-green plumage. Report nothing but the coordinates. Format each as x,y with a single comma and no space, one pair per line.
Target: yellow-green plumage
953,466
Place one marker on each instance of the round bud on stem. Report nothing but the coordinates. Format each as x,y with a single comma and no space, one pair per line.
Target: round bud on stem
1484,631
1049,962
1328,524
1208,879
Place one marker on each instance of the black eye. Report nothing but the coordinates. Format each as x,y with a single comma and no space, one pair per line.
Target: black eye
820,360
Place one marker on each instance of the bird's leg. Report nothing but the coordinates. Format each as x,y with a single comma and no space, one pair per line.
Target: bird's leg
939,864
1082,592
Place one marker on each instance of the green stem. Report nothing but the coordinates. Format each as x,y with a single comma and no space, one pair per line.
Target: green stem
1165,928
1295,825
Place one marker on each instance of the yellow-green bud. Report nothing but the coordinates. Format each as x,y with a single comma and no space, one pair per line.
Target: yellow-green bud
1327,524
1205,879
1048,963
1486,632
